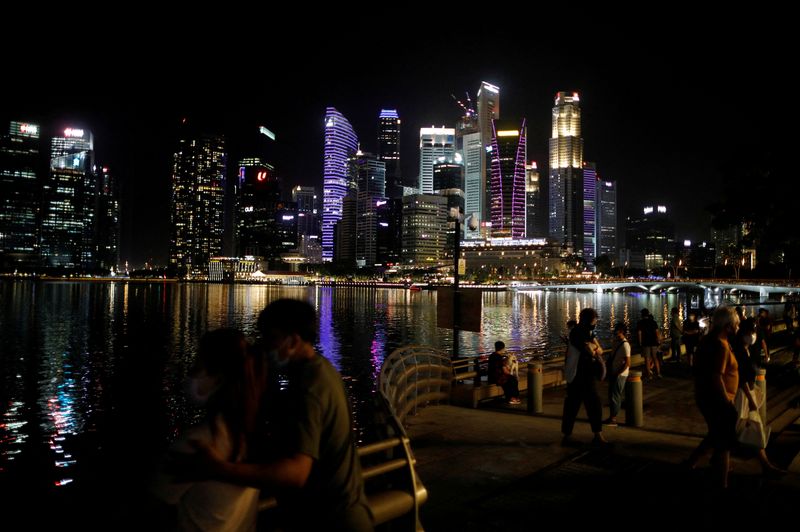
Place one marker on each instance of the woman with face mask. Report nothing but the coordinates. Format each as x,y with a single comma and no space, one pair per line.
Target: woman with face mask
227,381
744,340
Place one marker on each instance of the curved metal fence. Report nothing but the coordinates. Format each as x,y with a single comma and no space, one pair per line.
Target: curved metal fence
415,376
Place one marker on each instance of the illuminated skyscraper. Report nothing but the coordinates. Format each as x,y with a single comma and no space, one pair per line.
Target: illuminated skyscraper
433,143
21,177
535,213
488,110
389,151
424,229
69,194
340,144
607,218
308,228
508,156
565,176
258,197
589,220
198,190
106,233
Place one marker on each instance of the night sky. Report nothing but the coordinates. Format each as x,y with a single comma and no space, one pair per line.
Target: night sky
665,102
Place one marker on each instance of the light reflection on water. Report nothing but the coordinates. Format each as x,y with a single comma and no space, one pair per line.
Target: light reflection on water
96,365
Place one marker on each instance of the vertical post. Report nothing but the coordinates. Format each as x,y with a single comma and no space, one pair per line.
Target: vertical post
535,384
456,295
761,383
634,413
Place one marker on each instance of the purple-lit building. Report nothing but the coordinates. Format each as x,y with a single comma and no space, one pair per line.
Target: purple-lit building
589,213
508,153
340,144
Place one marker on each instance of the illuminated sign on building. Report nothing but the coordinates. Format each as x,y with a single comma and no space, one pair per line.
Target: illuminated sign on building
72,132
266,132
30,129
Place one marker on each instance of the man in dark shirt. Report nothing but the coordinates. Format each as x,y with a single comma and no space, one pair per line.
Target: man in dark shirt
581,380
691,336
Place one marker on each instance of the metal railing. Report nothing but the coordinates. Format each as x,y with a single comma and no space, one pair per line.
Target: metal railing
415,376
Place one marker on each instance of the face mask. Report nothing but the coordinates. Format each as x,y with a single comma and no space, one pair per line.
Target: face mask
200,388
275,361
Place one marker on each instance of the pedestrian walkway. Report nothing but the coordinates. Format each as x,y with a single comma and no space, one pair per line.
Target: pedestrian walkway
497,468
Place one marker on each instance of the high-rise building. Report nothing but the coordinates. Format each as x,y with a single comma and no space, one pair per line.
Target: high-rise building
258,198
433,143
21,177
389,151
340,144
367,218
607,218
198,192
367,173
535,213
424,230
448,181
488,110
589,220
308,229
468,144
106,231
565,176
508,155
651,236
69,194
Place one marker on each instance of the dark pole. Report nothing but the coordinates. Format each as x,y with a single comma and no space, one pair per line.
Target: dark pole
456,255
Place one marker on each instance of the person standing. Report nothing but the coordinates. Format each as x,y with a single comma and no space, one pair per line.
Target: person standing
619,364
675,333
581,380
649,337
691,336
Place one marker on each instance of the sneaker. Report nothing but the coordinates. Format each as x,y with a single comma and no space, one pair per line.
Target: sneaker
514,401
610,422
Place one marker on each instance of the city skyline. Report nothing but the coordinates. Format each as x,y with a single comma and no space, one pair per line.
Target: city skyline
638,102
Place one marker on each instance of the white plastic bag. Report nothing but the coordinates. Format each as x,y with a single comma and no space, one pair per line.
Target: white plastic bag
750,431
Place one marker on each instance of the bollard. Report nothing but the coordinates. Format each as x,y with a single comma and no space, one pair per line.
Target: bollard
634,413
535,384
761,383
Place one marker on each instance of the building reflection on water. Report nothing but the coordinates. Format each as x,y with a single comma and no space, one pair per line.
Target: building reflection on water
88,366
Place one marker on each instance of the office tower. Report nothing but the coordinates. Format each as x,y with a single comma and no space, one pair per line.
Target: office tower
21,177
589,219
508,156
107,217
68,199
389,151
424,230
565,176
198,181
367,173
257,203
308,237
535,213
607,218
652,237
488,110
340,144
433,144
448,181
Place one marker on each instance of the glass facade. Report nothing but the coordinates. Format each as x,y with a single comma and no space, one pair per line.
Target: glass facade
565,175
340,144
508,153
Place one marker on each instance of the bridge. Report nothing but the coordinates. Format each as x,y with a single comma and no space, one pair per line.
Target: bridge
763,289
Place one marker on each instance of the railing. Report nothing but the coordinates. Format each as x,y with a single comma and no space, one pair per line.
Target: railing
414,376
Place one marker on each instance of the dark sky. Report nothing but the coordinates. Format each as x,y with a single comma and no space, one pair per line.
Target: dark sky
665,101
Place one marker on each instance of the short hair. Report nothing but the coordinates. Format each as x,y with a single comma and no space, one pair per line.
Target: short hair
645,312
621,327
498,345
587,315
675,310
724,316
289,316
571,324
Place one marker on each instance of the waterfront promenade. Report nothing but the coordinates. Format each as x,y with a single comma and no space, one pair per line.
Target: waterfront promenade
498,468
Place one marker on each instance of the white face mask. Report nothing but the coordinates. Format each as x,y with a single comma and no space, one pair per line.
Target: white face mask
201,387
275,360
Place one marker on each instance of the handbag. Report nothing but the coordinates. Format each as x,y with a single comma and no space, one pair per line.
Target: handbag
750,431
